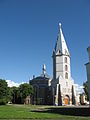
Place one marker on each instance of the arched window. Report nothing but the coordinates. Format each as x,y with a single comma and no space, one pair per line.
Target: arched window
66,68
65,59
66,75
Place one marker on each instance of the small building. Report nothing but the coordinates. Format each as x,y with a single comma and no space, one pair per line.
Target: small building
88,72
27,101
41,85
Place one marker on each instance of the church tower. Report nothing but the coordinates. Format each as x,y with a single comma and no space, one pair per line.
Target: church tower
61,58
62,84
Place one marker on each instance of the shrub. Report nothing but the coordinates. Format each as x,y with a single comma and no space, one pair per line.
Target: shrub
3,101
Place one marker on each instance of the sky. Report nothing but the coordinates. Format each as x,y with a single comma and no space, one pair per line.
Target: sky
28,32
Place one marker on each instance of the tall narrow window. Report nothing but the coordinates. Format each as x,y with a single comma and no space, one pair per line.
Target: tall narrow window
66,68
66,75
65,59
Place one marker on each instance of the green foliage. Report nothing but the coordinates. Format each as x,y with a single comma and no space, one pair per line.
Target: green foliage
19,94
3,92
59,96
3,101
48,97
38,101
14,94
3,88
86,89
14,91
25,90
73,96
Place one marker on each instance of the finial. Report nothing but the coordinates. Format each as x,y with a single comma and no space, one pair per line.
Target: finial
60,25
44,66
44,69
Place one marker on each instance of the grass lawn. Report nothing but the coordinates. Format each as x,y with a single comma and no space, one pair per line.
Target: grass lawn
12,112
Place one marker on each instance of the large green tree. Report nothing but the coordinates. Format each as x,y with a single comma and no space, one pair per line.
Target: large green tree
85,85
3,92
25,90
18,95
14,94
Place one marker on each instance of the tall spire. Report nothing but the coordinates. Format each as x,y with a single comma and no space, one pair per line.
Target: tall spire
61,46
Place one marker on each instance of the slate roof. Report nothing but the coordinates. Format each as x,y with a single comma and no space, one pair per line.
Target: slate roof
61,46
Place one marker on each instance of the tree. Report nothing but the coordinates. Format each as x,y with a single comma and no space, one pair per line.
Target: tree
24,91
3,92
59,96
19,94
14,92
73,96
86,89
48,96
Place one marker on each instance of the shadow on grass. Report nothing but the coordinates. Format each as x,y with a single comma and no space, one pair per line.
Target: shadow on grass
72,111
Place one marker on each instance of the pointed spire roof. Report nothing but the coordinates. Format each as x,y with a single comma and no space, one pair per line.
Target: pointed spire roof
61,46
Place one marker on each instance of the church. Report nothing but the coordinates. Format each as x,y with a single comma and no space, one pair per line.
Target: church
60,90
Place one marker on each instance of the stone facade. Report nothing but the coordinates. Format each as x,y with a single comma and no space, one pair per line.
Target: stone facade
42,89
62,81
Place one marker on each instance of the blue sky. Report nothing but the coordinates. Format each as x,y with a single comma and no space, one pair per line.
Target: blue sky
28,32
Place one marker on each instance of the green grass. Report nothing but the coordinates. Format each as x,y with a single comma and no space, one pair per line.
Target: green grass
25,112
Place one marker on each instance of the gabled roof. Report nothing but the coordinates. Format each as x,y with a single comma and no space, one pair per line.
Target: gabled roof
61,46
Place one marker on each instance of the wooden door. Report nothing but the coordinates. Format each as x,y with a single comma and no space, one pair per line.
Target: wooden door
66,101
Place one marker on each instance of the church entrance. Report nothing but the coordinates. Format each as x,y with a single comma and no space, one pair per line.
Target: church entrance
67,100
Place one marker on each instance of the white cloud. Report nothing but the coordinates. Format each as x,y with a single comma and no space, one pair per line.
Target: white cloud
12,83
79,89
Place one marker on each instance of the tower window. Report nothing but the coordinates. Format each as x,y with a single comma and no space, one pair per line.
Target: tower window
66,67
66,75
65,59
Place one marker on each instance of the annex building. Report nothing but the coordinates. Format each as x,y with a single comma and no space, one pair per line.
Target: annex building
60,90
